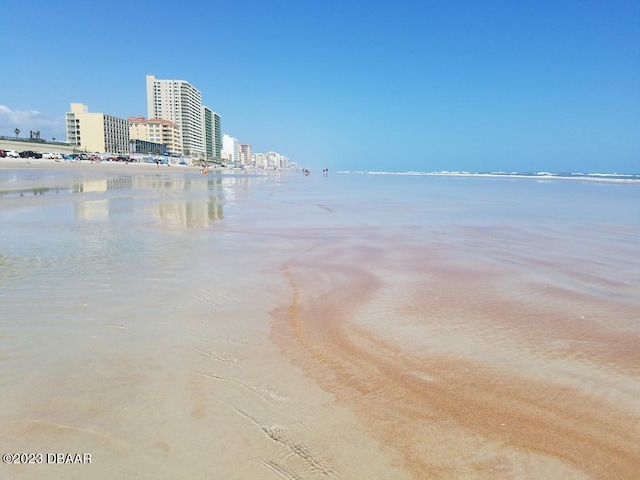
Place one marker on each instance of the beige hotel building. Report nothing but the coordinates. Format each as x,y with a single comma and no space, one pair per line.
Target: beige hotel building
156,130
96,132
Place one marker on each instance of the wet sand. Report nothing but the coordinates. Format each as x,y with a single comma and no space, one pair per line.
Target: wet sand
301,335
501,392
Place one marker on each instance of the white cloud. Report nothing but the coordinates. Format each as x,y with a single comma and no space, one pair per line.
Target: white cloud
31,120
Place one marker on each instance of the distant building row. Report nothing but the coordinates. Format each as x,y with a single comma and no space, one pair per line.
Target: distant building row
241,154
177,124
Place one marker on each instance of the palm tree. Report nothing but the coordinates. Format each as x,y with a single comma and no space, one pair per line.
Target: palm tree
17,132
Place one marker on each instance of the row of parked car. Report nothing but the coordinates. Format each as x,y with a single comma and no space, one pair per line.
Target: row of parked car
29,154
81,156
50,156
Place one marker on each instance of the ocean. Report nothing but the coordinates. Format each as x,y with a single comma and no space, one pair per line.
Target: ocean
354,325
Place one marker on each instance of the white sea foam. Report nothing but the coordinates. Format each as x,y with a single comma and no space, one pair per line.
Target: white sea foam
600,177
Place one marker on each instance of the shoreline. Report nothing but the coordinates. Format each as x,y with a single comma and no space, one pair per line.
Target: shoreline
625,178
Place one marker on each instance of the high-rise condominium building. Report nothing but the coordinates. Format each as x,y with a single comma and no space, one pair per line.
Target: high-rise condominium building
181,103
96,132
217,136
212,138
231,147
246,155
207,131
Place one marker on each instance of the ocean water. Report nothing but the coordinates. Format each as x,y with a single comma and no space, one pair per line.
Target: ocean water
242,325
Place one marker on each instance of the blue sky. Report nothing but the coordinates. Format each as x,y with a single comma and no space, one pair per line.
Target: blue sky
350,85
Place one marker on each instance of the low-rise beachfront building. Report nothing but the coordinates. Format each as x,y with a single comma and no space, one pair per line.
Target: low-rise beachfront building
156,131
96,132
147,148
226,157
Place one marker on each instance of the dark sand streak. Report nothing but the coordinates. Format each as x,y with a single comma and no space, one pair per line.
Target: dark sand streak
402,398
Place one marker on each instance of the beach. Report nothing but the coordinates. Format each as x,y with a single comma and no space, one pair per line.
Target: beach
268,325
46,163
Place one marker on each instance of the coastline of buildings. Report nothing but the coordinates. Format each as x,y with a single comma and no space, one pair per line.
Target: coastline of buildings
178,126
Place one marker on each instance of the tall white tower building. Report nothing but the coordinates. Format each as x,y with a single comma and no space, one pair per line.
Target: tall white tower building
231,147
181,103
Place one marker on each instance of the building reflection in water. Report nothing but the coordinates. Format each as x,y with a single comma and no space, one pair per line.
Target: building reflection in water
198,208
197,205
103,184
92,209
191,214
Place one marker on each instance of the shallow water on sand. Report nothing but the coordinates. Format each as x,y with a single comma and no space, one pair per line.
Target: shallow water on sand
281,326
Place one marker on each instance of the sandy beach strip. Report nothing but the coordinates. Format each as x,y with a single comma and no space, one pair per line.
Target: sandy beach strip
104,166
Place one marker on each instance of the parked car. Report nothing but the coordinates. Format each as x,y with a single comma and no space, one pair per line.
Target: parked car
30,154
12,154
3,154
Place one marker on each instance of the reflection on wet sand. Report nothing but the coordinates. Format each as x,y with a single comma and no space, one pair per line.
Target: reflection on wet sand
201,205
192,214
